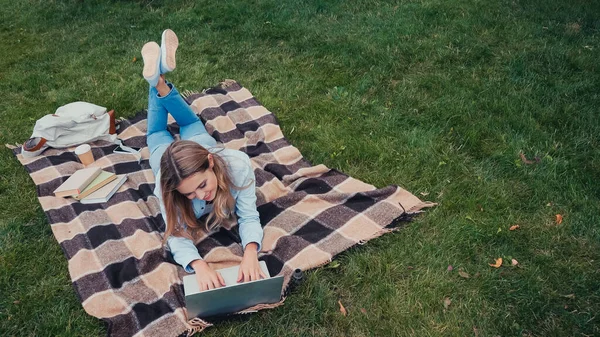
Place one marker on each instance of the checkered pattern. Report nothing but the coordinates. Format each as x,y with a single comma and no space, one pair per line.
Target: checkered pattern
117,263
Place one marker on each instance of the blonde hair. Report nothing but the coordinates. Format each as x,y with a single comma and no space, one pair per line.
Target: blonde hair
181,160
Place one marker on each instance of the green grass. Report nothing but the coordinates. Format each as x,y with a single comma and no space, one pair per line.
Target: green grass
439,97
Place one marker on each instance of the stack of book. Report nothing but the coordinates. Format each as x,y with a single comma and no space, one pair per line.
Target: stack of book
91,185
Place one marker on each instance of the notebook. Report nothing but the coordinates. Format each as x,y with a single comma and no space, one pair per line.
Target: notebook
102,179
104,193
233,297
76,183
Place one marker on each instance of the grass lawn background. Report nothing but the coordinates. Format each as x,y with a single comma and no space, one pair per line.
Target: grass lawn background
439,97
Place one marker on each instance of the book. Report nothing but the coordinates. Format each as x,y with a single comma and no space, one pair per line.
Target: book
102,179
104,193
77,182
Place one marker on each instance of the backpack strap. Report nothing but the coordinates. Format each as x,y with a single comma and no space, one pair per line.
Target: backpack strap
132,151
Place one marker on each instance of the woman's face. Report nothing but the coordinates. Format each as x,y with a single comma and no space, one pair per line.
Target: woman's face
200,185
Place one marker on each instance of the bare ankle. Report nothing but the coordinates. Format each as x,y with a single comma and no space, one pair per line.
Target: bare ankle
162,87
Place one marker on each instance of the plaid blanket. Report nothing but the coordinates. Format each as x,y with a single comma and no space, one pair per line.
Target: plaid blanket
117,263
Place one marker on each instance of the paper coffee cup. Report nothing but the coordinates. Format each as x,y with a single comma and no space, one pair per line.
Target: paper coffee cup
84,152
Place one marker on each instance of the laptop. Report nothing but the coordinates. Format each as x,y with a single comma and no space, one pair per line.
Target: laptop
234,296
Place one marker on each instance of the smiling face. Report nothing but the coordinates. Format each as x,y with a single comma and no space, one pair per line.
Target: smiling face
200,185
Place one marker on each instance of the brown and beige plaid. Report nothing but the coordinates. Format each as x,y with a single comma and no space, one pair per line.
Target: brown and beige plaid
116,260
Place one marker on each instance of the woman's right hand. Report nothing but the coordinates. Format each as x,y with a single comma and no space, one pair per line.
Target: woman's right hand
206,277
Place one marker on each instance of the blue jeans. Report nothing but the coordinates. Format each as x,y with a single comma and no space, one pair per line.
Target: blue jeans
190,126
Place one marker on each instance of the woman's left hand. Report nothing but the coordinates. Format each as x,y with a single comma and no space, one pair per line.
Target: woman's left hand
249,268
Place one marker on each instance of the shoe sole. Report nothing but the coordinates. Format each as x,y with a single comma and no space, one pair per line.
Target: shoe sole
169,44
150,54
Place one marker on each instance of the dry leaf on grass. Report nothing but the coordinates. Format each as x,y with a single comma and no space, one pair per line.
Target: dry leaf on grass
424,194
513,227
463,274
570,296
134,59
450,268
573,28
559,219
514,262
342,309
528,162
363,310
498,263
447,302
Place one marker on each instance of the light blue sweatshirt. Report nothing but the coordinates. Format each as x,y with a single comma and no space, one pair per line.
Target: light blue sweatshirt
240,170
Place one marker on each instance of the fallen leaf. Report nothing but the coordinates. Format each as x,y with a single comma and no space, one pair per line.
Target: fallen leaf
424,194
363,310
498,263
476,332
450,268
513,227
573,28
525,160
134,59
342,309
559,219
480,208
549,204
514,262
463,274
410,267
16,302
570,296
447,302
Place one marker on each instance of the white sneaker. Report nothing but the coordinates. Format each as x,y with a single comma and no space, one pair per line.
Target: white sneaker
151,56
168,47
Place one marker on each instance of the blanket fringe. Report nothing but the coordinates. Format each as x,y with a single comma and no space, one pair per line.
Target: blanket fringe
197,325
223,85
378,234
227,83
262,306
188,93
